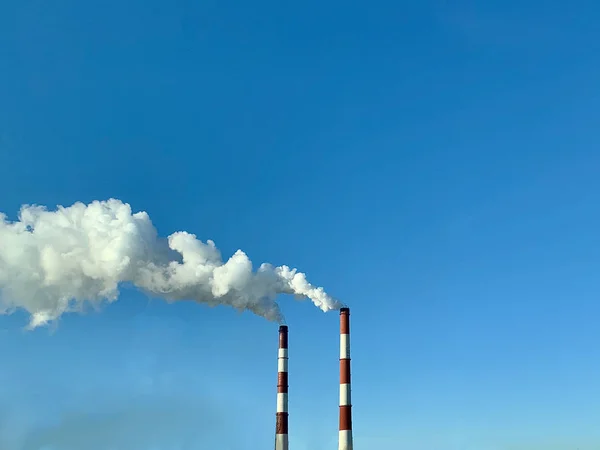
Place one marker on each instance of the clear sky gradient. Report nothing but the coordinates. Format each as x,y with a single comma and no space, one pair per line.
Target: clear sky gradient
434,164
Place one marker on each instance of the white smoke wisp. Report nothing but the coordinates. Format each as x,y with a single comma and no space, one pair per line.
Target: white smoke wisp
59,261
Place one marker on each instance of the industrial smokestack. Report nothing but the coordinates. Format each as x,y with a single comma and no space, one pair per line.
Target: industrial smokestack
281,427
345,433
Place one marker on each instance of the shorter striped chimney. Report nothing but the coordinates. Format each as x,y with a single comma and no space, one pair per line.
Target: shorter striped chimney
281,428
345,433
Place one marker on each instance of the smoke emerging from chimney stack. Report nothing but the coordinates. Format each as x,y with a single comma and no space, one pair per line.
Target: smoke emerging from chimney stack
53,262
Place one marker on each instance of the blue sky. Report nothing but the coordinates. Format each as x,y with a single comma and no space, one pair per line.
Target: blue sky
434,164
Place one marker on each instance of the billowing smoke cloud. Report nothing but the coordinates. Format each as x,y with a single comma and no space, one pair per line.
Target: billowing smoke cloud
53,262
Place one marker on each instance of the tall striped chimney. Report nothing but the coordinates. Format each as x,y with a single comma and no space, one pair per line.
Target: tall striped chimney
345,436
281,428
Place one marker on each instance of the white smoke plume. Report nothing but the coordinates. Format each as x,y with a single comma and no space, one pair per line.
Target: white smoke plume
53,262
